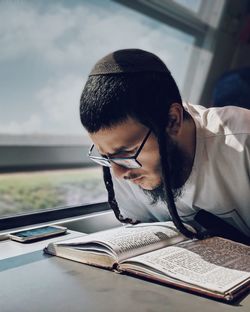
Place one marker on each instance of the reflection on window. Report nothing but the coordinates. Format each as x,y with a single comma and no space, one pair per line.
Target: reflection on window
33,191
208,12
192,5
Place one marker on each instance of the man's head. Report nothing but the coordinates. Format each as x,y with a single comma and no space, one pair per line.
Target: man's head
127,93
128,83
133,112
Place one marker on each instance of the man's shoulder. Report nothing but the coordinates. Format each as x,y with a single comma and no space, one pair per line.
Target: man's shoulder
221,120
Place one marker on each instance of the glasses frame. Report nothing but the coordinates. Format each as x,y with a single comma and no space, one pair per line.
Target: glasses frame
106,161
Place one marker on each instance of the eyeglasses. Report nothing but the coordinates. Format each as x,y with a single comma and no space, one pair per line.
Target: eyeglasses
126,162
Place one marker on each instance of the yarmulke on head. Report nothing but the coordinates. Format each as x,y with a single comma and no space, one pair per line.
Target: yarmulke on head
128,83
128,61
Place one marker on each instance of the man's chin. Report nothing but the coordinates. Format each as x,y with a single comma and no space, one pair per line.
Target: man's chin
158,193
148,188
146,185
155,193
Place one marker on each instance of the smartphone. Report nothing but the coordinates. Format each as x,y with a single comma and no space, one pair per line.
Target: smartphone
37,234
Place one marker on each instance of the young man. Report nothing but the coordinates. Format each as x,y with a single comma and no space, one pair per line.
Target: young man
168,160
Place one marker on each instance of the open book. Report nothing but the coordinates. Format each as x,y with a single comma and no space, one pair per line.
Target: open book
214,267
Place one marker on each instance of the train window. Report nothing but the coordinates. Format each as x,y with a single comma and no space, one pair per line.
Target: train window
47,51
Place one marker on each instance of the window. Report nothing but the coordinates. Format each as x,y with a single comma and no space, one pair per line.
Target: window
33,191
47,51
192,5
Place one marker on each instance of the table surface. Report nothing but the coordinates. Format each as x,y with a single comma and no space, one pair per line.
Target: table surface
32,281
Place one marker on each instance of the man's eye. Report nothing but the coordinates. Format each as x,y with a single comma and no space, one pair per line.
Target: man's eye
124,154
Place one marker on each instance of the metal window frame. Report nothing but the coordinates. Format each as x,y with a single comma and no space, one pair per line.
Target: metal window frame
51,216
170,13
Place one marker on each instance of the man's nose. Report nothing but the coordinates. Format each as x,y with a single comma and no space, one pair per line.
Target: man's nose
119,171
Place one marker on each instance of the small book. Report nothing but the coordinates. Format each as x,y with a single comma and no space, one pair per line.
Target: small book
215,267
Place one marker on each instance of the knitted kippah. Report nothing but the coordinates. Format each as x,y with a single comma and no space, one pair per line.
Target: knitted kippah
128,61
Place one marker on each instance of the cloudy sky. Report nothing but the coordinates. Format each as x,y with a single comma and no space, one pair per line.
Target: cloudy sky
48,48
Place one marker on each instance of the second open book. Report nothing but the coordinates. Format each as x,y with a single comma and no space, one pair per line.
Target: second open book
214,267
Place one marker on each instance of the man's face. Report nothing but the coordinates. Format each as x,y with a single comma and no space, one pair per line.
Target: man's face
124,139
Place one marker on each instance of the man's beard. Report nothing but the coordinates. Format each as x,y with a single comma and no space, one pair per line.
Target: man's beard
180,165
157,194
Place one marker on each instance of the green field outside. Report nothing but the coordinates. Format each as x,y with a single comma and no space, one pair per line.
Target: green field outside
32,191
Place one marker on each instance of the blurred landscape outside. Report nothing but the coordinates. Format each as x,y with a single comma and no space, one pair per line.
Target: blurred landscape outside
34,191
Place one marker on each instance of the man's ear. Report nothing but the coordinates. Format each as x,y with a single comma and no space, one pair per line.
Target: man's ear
175,119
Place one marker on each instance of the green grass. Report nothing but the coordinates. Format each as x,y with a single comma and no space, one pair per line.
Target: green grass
23,192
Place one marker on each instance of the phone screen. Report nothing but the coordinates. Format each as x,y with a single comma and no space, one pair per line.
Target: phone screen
38,232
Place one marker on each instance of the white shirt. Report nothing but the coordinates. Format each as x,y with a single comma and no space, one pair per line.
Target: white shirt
220,177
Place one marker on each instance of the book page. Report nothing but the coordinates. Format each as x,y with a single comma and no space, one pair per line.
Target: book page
216,264
130,240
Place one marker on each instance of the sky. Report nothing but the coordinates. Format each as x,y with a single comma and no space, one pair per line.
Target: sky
49,47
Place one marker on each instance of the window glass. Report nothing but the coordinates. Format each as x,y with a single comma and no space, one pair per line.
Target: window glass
49,47
192,5
47,51
32,191
208,12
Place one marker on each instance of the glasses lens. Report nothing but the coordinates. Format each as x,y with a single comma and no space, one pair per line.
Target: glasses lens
101,161
129,163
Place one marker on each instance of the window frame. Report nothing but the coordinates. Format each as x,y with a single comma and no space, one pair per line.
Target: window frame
54,215
179,17
28,155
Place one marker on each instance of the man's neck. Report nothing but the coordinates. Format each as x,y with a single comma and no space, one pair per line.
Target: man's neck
188,142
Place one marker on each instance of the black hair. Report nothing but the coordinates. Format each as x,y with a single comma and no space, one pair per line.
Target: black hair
109,99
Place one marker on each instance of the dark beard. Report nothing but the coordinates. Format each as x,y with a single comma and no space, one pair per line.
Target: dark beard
158,194
180,165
